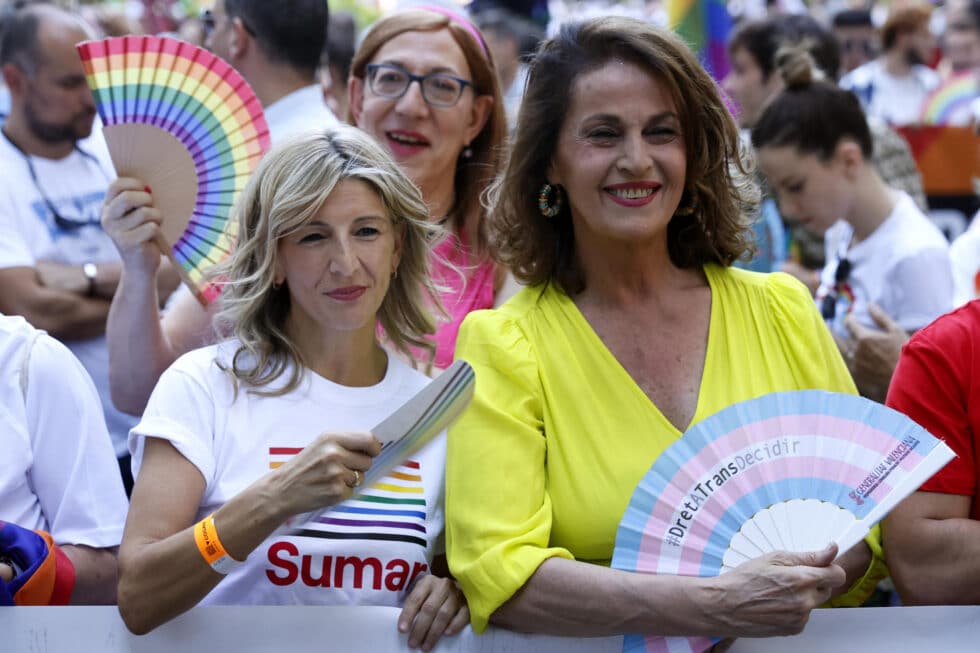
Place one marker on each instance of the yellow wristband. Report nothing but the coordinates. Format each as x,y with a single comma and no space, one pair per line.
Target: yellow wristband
206,538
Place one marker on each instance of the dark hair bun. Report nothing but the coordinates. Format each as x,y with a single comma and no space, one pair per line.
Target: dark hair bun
796,66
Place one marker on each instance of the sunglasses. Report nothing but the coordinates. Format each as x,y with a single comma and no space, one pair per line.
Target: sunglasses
857,45
828,307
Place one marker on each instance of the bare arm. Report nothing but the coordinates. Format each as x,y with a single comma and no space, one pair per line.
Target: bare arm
64,315
141,347
95,574
933,549
772,595
142,344
161,572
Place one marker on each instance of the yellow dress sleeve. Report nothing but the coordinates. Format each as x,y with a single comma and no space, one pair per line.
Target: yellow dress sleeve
498,510
813,357
821,366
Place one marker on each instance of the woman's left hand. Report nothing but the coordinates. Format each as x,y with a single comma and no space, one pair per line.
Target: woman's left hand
434,607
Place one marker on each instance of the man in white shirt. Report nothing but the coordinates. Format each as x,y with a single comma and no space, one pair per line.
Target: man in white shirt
58,268
894,86
276,47
55,453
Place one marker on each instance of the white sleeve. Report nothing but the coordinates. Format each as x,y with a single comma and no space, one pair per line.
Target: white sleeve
181,411
75,474
14,249
964,254
923,288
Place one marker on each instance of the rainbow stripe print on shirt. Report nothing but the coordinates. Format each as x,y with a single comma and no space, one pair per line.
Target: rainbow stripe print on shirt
392,509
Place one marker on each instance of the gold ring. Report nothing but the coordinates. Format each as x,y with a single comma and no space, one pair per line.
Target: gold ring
358,478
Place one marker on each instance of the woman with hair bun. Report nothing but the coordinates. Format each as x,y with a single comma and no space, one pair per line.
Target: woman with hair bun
888,270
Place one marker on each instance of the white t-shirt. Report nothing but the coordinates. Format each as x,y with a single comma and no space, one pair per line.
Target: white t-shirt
965,255
300,111
903,267
59,473
896,100
364,551
76,186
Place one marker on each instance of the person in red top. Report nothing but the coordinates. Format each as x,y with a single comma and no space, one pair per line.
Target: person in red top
932,539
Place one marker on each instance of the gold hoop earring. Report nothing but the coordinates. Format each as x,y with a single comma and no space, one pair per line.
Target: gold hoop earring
548,208
689,204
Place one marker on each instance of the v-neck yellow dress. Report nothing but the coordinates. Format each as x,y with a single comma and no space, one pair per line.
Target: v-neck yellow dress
546,458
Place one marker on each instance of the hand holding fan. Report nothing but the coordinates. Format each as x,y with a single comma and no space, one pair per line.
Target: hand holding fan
409,428
187,124
789,471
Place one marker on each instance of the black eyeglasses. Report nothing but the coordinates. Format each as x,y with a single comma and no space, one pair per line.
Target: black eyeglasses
63,222
438,89
828,307
208,22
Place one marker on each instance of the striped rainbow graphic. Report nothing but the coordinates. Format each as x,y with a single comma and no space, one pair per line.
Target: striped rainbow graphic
786,471
402,434
202,102
705,25
392,509
951,97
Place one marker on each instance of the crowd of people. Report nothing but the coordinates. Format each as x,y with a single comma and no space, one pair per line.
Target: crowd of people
572,215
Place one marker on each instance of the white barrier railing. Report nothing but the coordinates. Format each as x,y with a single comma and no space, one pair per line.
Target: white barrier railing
309,629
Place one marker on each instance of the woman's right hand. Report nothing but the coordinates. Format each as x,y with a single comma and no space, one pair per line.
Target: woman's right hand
774,594
133,223
323,474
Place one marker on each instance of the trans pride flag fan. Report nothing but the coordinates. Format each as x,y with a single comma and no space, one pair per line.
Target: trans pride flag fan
44,574
188,124
788,471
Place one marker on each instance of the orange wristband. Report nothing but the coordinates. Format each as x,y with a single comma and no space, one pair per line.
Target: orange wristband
206,538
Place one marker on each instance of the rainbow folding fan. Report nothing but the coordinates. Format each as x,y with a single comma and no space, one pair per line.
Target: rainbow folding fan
186,123
788,471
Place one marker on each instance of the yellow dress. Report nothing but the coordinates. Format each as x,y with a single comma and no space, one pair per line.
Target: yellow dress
546,458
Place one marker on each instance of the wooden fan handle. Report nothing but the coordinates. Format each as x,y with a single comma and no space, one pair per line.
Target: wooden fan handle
168,251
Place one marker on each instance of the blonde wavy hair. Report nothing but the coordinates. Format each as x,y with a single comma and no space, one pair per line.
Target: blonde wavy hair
284,193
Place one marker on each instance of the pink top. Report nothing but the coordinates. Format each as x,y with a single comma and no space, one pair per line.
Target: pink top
468,288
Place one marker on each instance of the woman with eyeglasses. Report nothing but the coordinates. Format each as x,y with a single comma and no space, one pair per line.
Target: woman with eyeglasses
424,85
888,270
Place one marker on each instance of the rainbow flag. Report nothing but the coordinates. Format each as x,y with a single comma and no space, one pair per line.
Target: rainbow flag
705,25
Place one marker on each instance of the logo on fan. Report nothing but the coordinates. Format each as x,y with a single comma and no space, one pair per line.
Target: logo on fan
883,469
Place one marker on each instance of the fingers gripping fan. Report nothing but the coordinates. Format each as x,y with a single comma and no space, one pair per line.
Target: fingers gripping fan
788,471
186,123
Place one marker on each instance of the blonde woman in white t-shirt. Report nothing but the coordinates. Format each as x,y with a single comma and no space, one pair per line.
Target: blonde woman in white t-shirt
888,270
240,436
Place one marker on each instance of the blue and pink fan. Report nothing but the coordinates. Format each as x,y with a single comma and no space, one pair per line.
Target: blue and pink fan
788,471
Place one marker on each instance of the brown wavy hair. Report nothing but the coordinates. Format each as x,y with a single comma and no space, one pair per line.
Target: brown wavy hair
539,249
475,173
